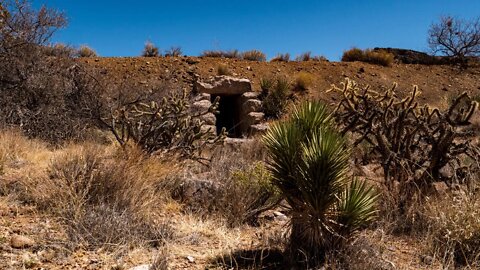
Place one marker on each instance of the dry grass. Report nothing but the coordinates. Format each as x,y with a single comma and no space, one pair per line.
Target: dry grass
282,57
222,54
223,69
85,51
174,52
303,81
382,58
254,55
454,235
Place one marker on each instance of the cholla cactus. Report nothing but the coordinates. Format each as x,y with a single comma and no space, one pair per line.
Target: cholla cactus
165,126
412,143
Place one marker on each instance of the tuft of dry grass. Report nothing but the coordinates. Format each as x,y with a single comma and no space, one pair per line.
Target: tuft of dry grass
223,69
106,196
174,52
85,51
254,55
382,58
282,57
222,54
303,81
454,234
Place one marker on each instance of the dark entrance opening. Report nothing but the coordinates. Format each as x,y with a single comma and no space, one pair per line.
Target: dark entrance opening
229,115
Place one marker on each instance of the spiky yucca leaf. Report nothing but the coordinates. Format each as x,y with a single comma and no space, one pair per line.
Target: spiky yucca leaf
357,205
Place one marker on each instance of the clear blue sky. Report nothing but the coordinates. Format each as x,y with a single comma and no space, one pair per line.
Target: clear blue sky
120,28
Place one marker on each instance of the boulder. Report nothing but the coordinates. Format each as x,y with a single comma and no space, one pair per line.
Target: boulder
20,241
224,85
258,129
254,118
209,119
251,105
201,106
202,96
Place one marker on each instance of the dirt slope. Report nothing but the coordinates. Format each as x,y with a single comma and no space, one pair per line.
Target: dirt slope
437,83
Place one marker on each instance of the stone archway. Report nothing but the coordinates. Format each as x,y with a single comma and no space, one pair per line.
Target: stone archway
239,108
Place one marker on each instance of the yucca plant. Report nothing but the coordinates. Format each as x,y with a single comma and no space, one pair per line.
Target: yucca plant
308,160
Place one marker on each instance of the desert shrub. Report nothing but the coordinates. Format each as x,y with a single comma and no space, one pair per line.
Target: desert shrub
306,56
42,95
213,54
238,188
174,52
223,69
162,125
282,57
319,58
275,94
59,50
150,50
303,81
308,161
378,57
412,143
254,55
354,54
454,233
105,197
85,51
232,54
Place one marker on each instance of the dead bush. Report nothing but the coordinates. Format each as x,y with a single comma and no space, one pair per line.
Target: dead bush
254,55
303,81
174,52
306,56
104,196
41,94
454,233
236,187
222,54
150,50
85,51
285,57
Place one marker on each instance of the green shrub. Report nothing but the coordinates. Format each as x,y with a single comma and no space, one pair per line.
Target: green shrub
254,55
150,50
275,94
309,164
85,51
379,57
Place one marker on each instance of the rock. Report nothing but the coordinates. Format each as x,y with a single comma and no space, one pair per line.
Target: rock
20,241
224,85
249,68
47,255
254,118
192,61
258,129
251,105
440,188
202,96
250,95
209,119
190,259
196,192
201,106
141,267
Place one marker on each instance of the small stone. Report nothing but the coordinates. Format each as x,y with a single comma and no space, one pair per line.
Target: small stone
141,267
190,259
249,68
20,241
